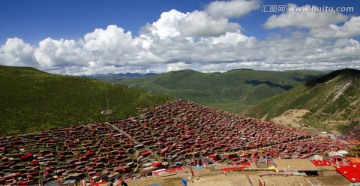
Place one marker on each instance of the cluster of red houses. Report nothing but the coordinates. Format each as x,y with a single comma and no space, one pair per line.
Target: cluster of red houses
66,154
177,131
181,129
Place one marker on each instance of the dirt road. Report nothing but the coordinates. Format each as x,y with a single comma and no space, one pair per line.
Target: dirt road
135,141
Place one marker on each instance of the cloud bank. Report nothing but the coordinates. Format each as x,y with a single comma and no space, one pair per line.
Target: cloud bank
205,40
311,19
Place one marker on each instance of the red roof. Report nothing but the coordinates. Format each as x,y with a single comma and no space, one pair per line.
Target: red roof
176,169
319,163
246,164
214,156
232,169
352,173
146,153
156,164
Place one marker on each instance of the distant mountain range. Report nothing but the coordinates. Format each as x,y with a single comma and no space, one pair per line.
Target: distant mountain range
333,102
115,77
32,100
233,91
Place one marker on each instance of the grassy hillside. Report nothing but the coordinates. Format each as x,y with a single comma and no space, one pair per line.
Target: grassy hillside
333,101
232,91
31,100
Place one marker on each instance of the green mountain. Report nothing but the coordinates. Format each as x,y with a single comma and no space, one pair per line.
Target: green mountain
233,91
32,100
333,101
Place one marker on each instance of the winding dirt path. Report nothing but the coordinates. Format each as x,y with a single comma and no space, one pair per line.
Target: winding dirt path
135,141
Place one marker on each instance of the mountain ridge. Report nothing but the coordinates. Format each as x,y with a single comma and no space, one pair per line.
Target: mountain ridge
231,91
332,101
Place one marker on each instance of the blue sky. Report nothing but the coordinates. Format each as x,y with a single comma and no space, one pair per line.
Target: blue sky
200,34
38,19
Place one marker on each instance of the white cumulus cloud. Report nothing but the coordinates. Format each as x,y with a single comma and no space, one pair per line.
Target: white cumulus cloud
59,53
232,38
350,28
199,24
168,25
206,40
110,46
15,52
177,66
191,24
231,9
304,19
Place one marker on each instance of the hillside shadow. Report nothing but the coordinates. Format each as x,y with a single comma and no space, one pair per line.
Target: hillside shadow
306,78
351,73
271,84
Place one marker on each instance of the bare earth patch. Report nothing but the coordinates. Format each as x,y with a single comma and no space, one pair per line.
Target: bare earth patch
291,117
217,178
330,180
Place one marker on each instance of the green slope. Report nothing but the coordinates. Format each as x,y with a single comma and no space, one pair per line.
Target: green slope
232,91
31,100
333,100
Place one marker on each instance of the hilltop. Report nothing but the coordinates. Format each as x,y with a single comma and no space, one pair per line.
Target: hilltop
32,100
332,101
232,91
